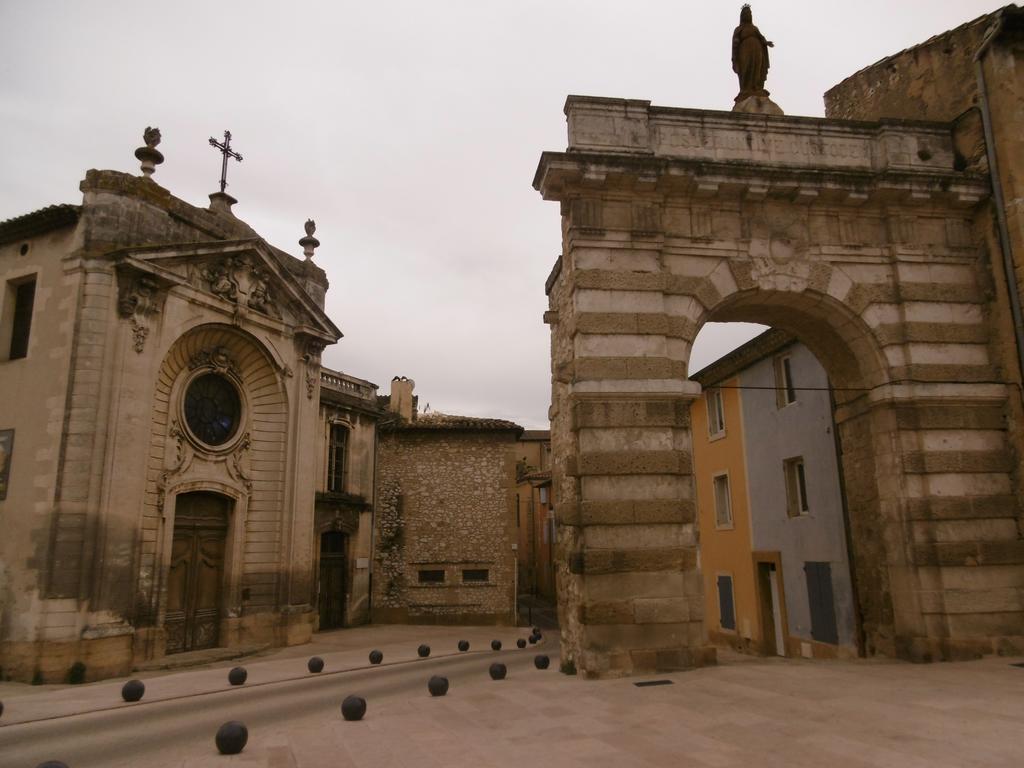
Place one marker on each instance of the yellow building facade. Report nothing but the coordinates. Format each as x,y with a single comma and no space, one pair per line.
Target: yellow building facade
723,513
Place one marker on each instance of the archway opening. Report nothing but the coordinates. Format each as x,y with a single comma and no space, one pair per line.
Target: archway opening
789,552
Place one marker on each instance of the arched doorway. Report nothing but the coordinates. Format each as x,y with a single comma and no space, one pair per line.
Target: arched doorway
196,575
333,579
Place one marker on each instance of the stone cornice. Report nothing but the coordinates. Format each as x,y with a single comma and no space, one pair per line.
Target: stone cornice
628,145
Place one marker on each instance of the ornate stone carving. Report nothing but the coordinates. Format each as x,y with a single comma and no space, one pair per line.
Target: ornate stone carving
139,299
182,458
311,349
217,359
221,278
240,280
238,465
139,334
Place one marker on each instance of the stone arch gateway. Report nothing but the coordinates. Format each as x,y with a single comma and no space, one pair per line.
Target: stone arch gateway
867,243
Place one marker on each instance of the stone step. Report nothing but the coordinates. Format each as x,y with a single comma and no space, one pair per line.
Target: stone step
197,658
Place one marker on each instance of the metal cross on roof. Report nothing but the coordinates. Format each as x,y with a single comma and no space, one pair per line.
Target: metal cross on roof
227,151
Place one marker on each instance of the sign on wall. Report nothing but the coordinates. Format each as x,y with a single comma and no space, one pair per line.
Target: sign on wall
6,448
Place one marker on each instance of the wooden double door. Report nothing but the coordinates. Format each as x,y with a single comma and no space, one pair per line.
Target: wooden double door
196,576
333,571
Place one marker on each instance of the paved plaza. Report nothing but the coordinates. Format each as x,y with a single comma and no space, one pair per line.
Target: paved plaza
745,711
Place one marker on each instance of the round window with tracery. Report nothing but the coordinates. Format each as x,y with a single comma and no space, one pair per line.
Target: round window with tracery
213,409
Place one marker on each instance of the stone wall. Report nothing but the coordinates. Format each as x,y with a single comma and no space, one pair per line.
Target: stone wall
445,502
935,80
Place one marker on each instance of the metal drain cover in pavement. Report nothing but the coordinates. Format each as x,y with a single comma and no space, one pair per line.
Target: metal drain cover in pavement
646,683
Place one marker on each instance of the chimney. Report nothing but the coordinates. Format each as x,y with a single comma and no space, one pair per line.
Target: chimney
401,397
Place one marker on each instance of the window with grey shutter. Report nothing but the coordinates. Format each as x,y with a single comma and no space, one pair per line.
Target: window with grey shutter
726,609
822,602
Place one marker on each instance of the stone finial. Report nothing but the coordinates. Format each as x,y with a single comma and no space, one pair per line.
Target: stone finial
309,243
149,156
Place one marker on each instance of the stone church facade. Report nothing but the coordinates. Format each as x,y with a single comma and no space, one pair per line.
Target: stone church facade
160,412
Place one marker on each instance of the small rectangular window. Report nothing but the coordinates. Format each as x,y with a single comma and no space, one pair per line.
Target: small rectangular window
723,502
796,487
716,413
337,449
23,294
785,391
435,576
726,606
476,574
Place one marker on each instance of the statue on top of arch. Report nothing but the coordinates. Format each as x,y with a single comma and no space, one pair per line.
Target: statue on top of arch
750,62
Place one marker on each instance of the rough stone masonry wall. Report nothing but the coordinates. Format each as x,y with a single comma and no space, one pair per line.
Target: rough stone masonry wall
935,80
444,502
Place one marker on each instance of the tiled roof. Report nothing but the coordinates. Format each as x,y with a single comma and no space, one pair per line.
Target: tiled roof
539,477
441,421
758,348
37,222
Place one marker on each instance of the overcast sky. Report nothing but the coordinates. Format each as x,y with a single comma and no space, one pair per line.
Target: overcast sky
410,131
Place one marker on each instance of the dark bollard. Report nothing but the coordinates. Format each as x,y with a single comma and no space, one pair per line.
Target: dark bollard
534,639
540,661
237,676
495,645
536,631
520,643
376,657
463,646
1,709
423,651
315,664
52,764
437,685
231,737
133,690
353,708
498,671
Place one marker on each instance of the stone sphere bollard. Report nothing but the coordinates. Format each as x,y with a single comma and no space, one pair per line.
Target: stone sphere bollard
495,645
1,709
353,708
463,646
540,661
498,671
536,631
231,737
133,690
534,639
315,664
423,651
437,685
376,657
52,764
520,643
237,676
